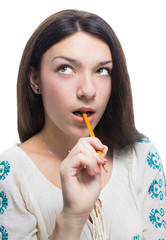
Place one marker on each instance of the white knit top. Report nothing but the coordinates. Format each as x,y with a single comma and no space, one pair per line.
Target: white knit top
133,201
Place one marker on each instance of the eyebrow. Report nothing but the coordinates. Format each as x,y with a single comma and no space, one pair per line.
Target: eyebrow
74,61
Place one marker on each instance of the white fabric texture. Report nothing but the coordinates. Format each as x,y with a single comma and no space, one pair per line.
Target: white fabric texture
133,201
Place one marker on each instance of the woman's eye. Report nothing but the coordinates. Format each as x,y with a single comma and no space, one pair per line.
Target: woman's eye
65,69
103,71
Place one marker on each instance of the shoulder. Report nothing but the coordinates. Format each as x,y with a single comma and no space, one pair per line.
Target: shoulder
16,169
13,161
137,155
144,146
146,154
146,164
14,193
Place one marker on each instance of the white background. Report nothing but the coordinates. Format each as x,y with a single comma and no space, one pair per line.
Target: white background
141,28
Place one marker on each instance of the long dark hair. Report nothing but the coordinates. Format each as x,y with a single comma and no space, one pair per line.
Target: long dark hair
116,128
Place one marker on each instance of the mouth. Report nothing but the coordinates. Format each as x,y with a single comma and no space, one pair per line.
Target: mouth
79,113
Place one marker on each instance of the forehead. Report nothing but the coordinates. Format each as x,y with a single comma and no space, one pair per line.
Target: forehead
80,45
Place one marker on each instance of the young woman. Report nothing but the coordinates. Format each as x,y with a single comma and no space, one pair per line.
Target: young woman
52,184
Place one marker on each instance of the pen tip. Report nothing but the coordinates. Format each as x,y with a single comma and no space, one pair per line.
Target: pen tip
105,168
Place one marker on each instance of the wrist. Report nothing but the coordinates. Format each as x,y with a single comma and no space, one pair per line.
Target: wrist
68,227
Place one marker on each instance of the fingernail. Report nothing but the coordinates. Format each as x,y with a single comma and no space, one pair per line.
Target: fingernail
102,159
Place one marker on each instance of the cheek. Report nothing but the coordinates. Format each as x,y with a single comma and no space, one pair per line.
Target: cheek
105,92
55,98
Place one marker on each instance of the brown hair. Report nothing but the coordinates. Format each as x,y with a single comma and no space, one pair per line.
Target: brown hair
117,127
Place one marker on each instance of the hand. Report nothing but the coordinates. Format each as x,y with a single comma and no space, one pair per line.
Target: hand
80,177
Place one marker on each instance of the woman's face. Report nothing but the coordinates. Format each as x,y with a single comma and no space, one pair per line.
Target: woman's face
75,78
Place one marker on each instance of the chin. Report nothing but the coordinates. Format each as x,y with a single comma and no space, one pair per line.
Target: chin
79,134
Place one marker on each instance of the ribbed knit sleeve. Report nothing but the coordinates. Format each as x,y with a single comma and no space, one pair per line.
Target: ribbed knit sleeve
16,222
150,183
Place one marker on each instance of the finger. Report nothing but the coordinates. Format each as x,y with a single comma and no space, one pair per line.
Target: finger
101,160
91,150
105,150
90,144
71,165
96,143
86,148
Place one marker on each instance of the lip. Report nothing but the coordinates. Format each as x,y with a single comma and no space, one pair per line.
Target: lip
85,109
80,119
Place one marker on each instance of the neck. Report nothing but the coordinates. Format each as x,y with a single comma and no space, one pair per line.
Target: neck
57,142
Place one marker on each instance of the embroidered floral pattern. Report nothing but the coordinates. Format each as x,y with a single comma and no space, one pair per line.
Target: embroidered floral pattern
137,237
157,218
3,202
4,169
155,189
144,140
154,162
164,184
3,233
158,187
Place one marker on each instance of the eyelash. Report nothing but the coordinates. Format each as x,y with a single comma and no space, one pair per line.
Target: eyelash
109,70
63,66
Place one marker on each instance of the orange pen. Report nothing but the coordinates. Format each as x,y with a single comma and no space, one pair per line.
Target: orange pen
92,134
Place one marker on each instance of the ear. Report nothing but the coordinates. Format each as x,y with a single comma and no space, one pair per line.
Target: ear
34,80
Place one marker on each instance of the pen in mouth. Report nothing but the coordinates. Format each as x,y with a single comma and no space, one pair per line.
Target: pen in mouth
92,134
80,113
88,110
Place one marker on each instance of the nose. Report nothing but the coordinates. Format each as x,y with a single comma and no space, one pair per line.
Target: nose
86,88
